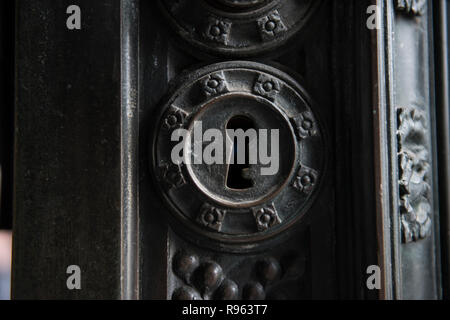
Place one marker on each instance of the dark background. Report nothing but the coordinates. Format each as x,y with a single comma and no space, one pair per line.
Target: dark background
7,25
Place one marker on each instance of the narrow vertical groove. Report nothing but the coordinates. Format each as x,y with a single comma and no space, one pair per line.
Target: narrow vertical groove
129,150
382,158
394,228
384,127
443,117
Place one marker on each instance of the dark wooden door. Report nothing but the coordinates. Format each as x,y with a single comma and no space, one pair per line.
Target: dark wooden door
355,187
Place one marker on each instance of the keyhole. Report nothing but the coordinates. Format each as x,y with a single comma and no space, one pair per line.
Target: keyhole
238,174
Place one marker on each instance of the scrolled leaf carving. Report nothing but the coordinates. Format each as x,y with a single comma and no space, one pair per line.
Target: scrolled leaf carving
413,7
414,167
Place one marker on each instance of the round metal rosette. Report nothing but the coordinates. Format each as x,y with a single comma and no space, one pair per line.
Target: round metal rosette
238,153
238,27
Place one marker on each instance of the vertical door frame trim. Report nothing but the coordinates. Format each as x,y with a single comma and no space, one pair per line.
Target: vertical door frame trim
386,162
129,18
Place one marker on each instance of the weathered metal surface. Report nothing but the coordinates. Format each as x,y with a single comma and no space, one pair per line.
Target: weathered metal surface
409,227
199,193
238,28
417,171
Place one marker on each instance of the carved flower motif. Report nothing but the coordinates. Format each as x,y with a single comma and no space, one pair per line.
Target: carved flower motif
415,7
172,175
174,119
306,126
218,30
271,26
306,180
267,87
215,84
266,218
211,217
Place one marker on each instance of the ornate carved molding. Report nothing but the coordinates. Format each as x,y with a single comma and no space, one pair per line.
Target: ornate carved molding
265,277
215,84
226,27
306,125
202,280
175,118
173,176
414,167
266,217
306,180
412,7
211,217
271,26
267,87
218,30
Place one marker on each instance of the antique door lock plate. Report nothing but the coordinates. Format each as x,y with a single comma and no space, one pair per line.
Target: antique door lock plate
227,202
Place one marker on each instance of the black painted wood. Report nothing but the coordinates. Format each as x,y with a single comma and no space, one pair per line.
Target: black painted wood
67,156
353,60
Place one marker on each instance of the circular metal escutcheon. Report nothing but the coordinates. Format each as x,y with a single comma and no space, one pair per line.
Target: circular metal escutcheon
230,189
238,27
243,3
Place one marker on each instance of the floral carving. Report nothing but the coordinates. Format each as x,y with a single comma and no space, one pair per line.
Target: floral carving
267,87
306,180
218,30
175,118
215,84
305,125
266,217
172,175
271,26
415,190
414,7
211,217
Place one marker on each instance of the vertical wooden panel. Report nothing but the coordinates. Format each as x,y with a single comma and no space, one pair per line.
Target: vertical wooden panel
68,150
